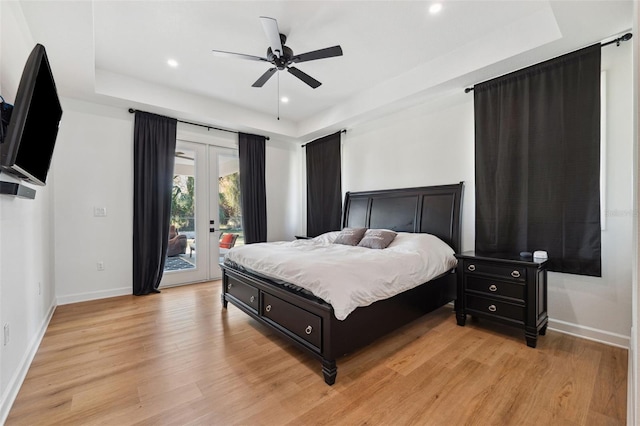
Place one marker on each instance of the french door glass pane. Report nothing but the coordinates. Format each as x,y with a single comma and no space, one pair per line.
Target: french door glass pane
181,255
230,214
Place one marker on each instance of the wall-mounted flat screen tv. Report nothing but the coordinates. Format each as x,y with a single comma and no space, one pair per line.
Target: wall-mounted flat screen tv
31,135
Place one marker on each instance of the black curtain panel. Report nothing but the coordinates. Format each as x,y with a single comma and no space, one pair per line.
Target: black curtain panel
253,195
154,145
324,185
537,141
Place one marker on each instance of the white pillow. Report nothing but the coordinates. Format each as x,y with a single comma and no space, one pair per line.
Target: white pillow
327,237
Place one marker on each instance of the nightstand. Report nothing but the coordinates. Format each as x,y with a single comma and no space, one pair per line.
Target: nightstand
505,288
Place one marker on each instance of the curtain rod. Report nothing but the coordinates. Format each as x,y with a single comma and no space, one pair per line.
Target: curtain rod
617,41
305,144
131,110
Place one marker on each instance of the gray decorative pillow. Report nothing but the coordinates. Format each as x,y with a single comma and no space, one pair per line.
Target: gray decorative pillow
350,236
377,238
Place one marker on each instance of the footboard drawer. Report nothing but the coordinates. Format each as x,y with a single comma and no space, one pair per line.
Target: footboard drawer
298,321
243,292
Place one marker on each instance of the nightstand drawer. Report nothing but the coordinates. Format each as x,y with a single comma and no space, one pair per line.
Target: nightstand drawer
507,272
491,287
495,307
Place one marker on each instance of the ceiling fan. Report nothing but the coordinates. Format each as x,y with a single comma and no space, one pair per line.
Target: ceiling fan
180,154
282,56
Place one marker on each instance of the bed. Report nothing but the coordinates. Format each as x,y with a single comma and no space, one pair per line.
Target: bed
310,323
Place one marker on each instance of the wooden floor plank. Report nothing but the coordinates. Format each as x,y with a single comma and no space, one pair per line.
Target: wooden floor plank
178,358
609,397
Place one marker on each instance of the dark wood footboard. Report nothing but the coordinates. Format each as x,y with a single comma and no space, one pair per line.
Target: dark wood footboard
312,326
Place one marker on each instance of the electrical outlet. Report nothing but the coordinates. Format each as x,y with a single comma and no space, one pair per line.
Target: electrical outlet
6,334
100,265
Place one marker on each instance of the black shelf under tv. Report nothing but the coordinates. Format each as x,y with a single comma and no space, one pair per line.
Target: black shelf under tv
16,189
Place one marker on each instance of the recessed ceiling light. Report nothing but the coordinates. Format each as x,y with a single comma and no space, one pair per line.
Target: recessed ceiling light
172,63
435,8
284,99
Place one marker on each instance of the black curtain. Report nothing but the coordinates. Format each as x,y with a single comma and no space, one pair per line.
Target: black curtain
538,162
324,185
154,145
251,150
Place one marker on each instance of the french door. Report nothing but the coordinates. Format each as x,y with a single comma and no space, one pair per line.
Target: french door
203,190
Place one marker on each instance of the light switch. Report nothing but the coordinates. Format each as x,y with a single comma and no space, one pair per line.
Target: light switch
99,211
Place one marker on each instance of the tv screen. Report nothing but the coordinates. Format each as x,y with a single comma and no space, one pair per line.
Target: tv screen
31,135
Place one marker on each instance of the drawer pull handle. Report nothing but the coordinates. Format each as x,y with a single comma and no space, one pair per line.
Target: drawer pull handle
229,286
471,268
308,330
253,298
268,308
515,274
493,287
493,308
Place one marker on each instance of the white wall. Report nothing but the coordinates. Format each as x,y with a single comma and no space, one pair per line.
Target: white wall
95,159
590,302
421,146
94,169
434,144
26,236
282,185
633,400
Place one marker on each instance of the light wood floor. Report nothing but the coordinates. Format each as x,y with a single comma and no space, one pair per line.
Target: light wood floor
179,358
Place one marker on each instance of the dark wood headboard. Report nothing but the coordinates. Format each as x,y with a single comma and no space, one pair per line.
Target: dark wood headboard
429,209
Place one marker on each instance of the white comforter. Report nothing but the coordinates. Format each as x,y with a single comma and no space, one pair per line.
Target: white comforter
345,276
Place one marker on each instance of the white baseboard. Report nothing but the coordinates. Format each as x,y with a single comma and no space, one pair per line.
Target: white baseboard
93,295
13,387
589,333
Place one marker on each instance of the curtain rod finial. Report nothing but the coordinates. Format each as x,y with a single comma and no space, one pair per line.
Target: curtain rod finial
625,37
131,110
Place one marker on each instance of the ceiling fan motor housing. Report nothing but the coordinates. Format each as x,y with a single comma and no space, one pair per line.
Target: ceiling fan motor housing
282,61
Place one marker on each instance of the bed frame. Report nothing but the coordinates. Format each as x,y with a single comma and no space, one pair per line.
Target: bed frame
310,323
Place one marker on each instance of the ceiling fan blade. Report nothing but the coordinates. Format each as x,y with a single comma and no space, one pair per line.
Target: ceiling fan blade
224,54
264,77
272,32
304,77
180,154
328,52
